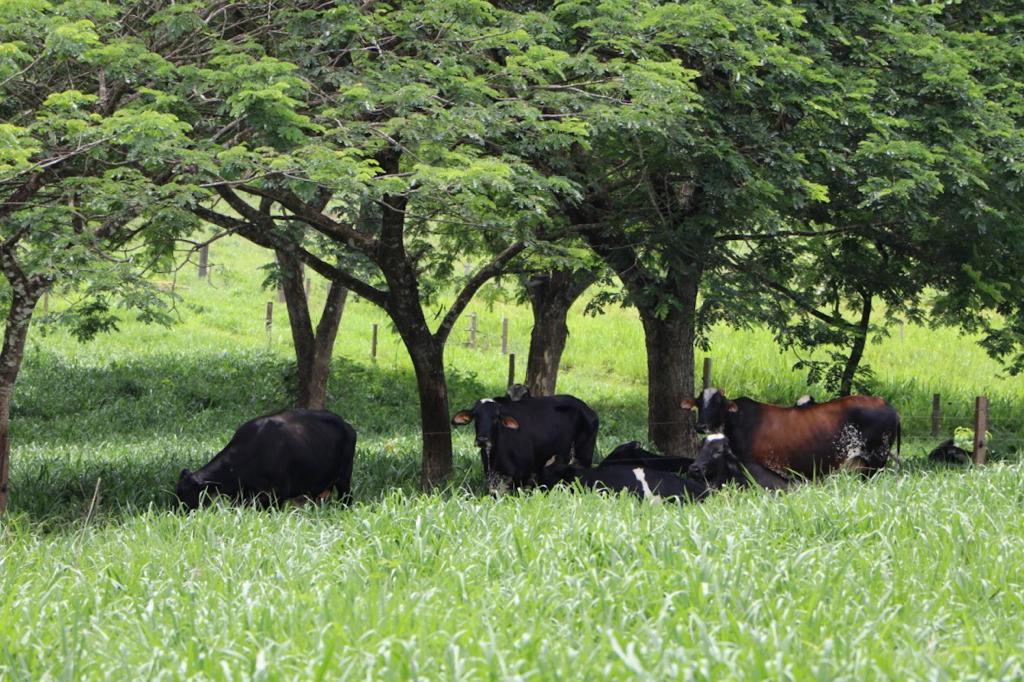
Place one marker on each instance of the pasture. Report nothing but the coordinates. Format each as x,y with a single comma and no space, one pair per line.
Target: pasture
915,574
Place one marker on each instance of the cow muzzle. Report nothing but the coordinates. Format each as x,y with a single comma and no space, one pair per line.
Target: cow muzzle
498,485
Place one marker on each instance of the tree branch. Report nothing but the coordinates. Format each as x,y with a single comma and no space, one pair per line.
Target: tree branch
269,240
489,271
789,233
316,219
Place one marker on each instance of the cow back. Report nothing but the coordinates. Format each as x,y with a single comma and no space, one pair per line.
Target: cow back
811,439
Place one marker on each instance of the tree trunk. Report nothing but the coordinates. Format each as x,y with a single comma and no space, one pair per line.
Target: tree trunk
426,350
24,296
551,296
669,343
857,350
312,350
428,363
668,339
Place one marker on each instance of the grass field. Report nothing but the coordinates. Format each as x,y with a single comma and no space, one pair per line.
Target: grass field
915,574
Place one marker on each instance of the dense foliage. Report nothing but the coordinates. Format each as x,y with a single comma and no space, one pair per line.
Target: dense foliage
793,164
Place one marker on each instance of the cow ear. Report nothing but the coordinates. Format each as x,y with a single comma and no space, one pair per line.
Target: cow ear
509,422
732,406
688,404
185,473
462,418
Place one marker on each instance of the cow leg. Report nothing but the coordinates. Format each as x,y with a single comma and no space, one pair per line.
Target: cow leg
583,449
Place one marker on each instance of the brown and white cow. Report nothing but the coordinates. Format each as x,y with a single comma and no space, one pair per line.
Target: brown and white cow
855,432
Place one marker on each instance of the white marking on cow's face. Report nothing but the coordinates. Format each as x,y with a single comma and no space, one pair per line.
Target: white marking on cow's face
713,437
551,461
707,394
487,400
642,478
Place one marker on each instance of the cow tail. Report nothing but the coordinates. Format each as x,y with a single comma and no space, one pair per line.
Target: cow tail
899,443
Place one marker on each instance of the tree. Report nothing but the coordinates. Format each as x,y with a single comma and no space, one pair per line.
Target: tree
84,123
382,130
916,163
686,140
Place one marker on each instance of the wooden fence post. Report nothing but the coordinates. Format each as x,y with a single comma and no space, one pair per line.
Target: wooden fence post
269,323
511,369
707,372
504,336
980,427
472,330
204,261
936,414
373,344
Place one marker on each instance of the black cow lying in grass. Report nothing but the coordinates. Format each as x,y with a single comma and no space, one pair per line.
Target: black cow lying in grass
291,454
717,465
644,482
948,452
631,454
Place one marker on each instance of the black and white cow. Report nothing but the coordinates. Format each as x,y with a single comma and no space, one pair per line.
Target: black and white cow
717,465
855,432
294,453
632,454
643,482
516,437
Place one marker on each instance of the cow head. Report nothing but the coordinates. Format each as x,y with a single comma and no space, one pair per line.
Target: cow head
500,466
189,489
716,464
712,409
517,392
555,472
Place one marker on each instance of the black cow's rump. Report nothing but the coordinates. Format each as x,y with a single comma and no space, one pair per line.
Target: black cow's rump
294,453
947,452
631,454
516,437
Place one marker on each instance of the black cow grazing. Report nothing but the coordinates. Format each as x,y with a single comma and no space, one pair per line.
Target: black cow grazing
717,465
947,452
631,454
806,400
516,437
855,432
645,483
295,453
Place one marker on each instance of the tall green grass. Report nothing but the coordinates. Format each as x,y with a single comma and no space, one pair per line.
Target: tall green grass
914,574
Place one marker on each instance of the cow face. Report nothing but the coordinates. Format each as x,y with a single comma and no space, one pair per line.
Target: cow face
712,410
189,489
717,464
489,421
499,466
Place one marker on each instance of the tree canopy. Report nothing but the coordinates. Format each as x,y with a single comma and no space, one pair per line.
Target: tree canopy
797,164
